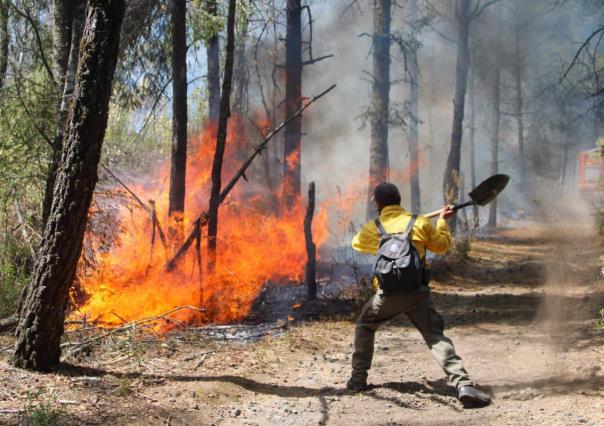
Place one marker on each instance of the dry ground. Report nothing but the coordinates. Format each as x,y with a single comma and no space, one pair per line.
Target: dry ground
521,311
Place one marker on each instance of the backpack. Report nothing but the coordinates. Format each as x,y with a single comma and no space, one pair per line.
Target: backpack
398,266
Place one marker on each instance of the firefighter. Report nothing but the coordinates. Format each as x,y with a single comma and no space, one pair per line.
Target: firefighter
416,303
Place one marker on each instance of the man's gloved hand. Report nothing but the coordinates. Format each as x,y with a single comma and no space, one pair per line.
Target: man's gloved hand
447,211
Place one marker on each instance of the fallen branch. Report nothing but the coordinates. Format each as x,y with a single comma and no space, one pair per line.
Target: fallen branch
79,347
150,210
202,219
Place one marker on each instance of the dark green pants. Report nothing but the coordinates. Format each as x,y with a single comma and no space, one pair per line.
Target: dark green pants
417,305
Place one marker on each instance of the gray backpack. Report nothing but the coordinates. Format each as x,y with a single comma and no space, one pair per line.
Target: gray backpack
398,266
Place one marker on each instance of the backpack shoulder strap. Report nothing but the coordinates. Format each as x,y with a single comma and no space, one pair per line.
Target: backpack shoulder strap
409,229
380,228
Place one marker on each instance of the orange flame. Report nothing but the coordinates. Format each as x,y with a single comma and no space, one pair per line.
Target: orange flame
257,242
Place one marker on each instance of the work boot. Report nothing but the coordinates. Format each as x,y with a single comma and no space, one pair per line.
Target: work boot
471,397
357,384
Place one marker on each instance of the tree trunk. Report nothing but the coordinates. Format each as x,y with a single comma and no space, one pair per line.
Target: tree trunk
451,178
68,27
475,214
310,276
213,52
178,165
41,324
413,133
492,223
241,98
225,112
293,102
519,103
378,151
4,39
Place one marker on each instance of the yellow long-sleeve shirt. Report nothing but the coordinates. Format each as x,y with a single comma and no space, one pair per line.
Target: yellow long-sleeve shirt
395,219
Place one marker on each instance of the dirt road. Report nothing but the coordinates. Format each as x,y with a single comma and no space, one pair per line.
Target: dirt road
521,311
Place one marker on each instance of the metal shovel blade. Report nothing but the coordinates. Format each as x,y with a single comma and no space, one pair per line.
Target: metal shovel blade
488,189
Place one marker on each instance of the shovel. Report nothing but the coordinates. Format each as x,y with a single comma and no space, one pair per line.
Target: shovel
481,195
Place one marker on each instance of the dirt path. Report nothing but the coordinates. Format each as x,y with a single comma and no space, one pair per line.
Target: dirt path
521,311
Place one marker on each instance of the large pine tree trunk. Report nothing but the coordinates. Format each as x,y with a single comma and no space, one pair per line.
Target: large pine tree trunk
413,133
225,112
452,168
213,52
4,39
293,101
178,165
380,100
68,24
40,327
496,118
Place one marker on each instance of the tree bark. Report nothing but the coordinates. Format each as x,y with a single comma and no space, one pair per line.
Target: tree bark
178,165
380,100
451,177
310,276
496,115
292,185
68,26
517,71
225,112
213,52
413,133
41,324
4,40
475,214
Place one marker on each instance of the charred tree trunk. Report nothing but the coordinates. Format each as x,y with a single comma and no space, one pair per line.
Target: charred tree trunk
492,223
310,276
4,39
452,168
413,133
41,324
213,52
475,215
178,165
225,112
67,32
293,102
380,100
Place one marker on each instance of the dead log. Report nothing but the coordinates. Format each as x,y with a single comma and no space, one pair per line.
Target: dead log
203,217
9,323
310,276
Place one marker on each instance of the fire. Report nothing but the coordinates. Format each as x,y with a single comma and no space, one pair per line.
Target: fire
259,240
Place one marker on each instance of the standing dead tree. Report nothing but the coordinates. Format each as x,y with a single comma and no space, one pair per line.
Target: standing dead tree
310,276
42,319
178,164
225,112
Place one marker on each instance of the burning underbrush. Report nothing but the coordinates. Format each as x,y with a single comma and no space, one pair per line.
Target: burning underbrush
123,275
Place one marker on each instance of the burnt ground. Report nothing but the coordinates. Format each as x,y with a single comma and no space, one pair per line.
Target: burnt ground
521,310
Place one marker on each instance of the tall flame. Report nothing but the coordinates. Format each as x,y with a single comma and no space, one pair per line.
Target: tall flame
259,239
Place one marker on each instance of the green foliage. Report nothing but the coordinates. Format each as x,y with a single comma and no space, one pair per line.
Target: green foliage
600,321
462,248
123,387
43,411
12,282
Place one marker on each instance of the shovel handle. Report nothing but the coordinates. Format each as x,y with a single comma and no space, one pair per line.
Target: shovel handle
456,207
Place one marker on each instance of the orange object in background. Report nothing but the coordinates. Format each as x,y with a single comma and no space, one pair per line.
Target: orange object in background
590,173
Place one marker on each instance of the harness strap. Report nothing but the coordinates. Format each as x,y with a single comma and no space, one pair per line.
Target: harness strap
409,229
380,228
